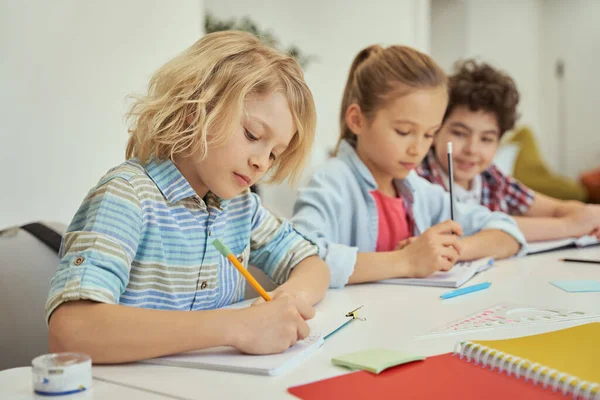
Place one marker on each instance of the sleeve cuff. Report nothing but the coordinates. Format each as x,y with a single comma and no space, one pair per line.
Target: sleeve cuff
78,278
512,230
341,260
67,295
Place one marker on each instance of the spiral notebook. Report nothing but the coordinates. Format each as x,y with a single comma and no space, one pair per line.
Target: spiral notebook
560,244
567,360
456,277
546,366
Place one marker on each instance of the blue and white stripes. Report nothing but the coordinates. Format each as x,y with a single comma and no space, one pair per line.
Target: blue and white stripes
142,238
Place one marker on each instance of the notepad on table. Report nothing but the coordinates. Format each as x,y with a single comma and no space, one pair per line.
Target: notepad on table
561,244
230,359
374,360
578,286
456,277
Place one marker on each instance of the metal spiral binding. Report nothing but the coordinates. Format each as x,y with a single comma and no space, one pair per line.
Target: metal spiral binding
535,372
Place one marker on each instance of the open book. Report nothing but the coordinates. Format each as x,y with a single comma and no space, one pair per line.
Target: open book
229,359
456,277
560,244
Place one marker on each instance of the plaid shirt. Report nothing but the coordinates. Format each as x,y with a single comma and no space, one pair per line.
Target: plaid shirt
499,192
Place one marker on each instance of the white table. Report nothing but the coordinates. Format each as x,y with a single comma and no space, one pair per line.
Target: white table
15,384
395,315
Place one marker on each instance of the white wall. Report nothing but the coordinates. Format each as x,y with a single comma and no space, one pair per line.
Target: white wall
66,67
571,32
448,31
334,31
526,38
506,35
503,33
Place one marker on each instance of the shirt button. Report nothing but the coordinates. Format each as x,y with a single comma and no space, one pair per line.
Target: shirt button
209,232
78,261
240,259
204,285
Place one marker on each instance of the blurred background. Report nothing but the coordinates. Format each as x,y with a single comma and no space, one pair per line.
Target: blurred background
66,67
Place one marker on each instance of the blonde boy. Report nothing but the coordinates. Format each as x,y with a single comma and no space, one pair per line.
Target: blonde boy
139,277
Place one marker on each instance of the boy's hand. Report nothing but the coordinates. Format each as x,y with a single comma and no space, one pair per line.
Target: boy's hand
437,249
280,291
274,326
594,210
584,221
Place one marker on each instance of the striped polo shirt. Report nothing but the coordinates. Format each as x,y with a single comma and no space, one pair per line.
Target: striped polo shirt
142,238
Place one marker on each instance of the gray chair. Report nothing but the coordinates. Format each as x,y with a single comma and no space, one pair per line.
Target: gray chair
27,266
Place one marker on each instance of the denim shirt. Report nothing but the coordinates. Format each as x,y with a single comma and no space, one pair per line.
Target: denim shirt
338,211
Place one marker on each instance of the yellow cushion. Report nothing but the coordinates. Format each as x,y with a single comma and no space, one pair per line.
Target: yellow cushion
534,173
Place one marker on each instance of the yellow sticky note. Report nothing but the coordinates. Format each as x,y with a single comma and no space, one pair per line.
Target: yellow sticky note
375,360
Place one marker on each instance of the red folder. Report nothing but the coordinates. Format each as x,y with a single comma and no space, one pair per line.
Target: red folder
444,377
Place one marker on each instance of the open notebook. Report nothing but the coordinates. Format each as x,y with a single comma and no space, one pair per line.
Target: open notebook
456,277
229,359
560,244
545,366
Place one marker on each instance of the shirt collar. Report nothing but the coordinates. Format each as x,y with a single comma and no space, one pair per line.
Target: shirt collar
173,185
433,169
347,153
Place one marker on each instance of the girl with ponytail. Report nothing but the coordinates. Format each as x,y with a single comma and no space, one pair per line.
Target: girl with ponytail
371,215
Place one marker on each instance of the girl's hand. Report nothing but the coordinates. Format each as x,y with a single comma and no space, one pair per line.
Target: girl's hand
405,242
437,249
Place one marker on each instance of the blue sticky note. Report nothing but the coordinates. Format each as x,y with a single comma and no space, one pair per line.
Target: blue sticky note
578,285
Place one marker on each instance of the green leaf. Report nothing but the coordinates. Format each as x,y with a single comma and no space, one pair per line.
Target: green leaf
245,24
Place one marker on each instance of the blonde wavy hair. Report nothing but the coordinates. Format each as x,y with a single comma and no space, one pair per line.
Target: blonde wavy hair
202,91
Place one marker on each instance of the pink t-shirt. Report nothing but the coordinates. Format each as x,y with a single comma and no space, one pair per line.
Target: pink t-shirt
394,225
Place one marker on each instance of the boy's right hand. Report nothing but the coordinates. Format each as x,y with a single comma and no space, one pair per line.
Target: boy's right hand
274,326
584,221
437,249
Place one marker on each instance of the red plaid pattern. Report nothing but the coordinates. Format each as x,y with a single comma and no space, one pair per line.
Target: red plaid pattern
499,192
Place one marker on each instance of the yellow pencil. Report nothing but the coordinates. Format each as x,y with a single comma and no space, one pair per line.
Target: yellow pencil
224,250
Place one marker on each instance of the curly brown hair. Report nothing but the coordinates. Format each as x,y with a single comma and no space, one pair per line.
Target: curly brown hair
479,86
